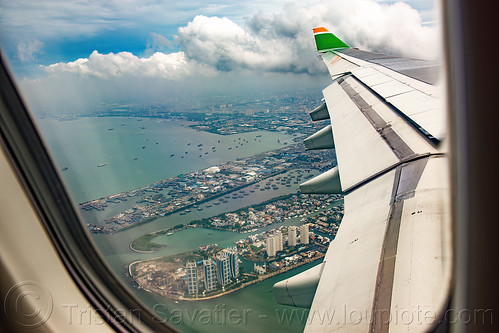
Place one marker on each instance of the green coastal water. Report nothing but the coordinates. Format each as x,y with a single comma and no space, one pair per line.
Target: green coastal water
255,303
137,153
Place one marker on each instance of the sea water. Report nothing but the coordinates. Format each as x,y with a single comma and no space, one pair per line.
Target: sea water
100,156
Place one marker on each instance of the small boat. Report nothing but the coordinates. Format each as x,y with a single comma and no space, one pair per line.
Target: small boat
101,165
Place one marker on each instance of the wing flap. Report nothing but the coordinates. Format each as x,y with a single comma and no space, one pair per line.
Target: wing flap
359,143
348,280
392,255
370,137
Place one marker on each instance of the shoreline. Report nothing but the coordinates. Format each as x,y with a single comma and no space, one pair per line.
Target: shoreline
140,251
260,278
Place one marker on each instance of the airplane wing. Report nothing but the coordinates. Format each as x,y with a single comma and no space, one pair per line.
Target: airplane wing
389,266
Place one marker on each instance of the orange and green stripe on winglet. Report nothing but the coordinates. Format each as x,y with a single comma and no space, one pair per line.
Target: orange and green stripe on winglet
327,41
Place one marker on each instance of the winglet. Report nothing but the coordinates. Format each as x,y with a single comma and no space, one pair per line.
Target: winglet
327,41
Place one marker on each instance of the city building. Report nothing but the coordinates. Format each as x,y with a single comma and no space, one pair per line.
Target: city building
278,241
192,277
304,234
259,269
233,261
210,275
223,269
270,246
292,236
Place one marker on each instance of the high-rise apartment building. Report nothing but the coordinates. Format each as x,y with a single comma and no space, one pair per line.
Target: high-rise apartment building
304,234
233,261
278,241
270,246
210,275
223,269
292,236
192,277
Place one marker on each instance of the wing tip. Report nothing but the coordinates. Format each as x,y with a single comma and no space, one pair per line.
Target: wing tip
325,40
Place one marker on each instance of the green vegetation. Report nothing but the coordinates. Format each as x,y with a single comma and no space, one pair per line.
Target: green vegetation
205,222
143,243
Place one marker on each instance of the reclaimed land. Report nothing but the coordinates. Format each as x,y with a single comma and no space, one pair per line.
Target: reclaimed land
144,244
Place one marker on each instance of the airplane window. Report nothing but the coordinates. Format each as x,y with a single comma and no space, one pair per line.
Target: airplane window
178,132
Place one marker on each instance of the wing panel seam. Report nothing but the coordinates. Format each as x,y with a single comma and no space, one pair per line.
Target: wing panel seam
386,132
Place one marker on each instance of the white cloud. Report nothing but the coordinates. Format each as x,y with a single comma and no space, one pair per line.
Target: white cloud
266,50
172,66
283,42
222,44
270,42
62,18
26,51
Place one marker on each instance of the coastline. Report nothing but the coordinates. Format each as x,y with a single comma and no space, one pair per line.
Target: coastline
139,251
260,278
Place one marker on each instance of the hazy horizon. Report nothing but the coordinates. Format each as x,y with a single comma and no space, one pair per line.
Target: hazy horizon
78,54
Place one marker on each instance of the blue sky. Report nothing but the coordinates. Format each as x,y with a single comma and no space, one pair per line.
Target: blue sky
75,43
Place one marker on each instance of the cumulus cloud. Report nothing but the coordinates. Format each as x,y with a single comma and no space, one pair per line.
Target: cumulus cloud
283,42
26,51
224,45
173,66
280,42
265,51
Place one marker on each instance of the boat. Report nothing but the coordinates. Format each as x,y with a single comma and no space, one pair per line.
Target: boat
101,165
172,155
